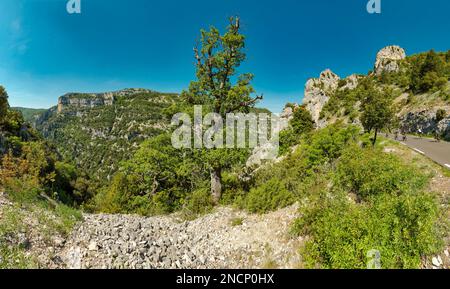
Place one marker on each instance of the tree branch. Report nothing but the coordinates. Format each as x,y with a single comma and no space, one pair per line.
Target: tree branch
246,103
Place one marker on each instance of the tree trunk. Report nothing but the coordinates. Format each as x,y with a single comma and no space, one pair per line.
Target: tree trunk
216,185
375,138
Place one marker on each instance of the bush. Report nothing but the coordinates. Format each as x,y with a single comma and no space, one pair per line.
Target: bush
125,196
198,203
327,144
302,121
374,202
268,197
342,233
303,172
368,172
440,115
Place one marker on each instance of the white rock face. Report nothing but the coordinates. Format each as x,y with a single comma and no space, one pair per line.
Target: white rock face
425,120
318,91
387,59
351,82
269,151
90,100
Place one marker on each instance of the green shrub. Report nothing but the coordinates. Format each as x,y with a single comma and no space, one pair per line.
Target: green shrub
23,192
288,139
268,197
238,221
302,121
327,144
440,115
67,218
374,202
198,203
368,172
303,172
342,233
233,188
12,256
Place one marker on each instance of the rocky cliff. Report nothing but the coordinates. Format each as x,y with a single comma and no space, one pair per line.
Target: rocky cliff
318,91
97,131
388,59
91,100
329,98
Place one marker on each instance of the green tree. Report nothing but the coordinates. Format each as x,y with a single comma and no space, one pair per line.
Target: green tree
377,110
428,71
220,88
302,121
440,115
3,104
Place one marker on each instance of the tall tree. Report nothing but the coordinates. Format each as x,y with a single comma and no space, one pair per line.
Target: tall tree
377,110
219,87
302,121
3,103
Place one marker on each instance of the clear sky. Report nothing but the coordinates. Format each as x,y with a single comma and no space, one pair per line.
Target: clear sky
46,52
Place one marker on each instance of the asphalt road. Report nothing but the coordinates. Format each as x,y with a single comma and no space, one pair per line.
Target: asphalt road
437,151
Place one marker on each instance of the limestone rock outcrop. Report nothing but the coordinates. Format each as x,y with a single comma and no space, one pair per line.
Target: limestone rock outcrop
351,82
90,100
387,59
425,121
269,151
318,91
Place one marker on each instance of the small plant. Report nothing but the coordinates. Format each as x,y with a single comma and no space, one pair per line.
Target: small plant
238,221
440,115
199,203
268,197
11,252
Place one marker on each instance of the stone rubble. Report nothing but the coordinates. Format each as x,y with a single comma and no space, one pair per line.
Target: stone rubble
122,241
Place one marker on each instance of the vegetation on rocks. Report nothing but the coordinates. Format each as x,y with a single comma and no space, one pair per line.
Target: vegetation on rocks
96,139
112,153
31,177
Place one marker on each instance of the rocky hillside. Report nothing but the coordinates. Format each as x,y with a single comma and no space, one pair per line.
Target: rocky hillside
420,83
30,114
97,131
225,238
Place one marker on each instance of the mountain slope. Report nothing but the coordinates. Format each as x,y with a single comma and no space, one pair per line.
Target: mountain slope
97,131
419,84
30,114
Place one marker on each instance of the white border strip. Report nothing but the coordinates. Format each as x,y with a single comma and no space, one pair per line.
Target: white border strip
447,165
419,151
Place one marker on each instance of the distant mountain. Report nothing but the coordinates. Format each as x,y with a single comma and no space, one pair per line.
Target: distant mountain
30,114
97,131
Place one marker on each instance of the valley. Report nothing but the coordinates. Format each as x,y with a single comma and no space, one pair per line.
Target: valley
95,181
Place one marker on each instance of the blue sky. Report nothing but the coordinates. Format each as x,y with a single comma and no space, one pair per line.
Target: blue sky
45,52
